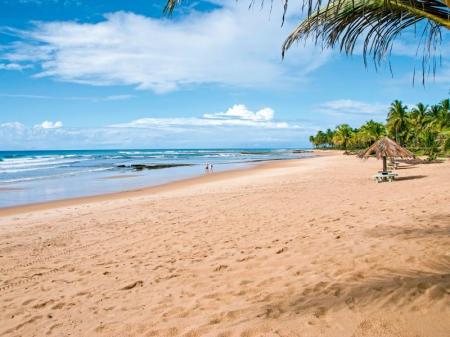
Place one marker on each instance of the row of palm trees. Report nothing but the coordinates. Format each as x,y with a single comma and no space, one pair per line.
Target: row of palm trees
423,129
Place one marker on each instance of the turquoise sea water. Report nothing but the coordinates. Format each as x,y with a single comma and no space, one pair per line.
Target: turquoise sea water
39,176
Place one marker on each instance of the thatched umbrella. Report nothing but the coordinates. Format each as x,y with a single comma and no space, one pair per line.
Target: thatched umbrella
387,148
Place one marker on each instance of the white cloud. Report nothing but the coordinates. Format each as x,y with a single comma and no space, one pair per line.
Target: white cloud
114,98
443,75
200,122
12,125
13,66
351,107
237,115
12,133
153,134
70,98
407,45
252,129
240,111
49,125
231,45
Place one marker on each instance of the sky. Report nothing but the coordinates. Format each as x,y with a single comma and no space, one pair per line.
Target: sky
92,74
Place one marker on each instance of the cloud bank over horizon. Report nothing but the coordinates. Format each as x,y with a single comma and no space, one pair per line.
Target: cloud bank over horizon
236,127
237,115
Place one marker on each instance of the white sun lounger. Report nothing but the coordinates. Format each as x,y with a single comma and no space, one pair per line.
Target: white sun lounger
380,177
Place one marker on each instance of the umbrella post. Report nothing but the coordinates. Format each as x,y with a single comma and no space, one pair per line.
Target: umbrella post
384,164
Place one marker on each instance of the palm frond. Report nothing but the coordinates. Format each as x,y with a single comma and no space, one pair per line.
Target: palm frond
386,147
170,6
342,22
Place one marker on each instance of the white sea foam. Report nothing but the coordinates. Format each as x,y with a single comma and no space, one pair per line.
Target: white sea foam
33,166
72,173
7,166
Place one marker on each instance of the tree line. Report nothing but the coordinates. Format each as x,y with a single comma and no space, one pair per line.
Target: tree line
422,129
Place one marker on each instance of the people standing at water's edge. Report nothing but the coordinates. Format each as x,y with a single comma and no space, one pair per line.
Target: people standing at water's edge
208,167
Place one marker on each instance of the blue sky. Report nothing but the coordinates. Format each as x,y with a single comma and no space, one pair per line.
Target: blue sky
119,74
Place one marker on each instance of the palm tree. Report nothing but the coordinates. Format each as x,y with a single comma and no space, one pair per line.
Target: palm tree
429,141
321,138
418,120
329,134
312,140
342,135
445,105
397,121
439,116
441,124
370,132
443,115
426,128
340,23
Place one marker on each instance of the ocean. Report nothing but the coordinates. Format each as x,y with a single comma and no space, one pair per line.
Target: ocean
39,176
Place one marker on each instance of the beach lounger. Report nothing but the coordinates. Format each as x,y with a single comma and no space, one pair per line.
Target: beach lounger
392,166
384,176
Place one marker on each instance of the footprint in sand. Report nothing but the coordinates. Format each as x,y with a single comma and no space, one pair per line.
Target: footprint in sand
377,327
282,250
133,285
221,267
319,312
58,306
42,304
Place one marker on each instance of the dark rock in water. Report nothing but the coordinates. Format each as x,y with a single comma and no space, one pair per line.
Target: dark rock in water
140,167
255,152
300,151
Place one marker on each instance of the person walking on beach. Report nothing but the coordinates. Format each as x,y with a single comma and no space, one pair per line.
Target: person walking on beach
207,167
211,167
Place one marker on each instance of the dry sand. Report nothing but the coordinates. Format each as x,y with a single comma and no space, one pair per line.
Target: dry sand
308,247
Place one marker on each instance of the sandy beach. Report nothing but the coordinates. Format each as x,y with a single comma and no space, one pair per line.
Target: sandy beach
309,247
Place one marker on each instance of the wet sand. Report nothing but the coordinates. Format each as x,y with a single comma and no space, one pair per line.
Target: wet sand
309,247
121,176
10,189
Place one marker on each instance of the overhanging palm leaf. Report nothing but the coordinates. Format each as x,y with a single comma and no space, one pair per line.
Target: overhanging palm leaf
170,5
342,22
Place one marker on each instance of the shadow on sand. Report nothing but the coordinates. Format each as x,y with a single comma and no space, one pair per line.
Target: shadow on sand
421,161
393,288
406,167
408,288
435,226
410,178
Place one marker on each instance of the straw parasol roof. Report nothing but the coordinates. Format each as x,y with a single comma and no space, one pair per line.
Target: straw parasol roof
386,147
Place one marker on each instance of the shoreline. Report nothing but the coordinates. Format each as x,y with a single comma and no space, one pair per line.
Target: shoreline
153,189
48,176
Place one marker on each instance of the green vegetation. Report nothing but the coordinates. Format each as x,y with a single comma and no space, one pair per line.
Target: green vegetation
422,129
